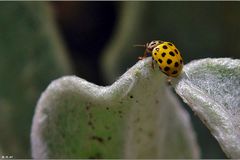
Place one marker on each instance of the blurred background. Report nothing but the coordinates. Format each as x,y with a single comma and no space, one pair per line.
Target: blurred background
42,41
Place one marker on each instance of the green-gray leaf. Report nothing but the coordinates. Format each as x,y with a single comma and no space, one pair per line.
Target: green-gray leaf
135,117
211,87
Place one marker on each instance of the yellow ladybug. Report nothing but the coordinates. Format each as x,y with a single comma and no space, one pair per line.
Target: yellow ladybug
166,55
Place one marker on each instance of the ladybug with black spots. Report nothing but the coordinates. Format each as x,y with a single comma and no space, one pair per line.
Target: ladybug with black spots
166,55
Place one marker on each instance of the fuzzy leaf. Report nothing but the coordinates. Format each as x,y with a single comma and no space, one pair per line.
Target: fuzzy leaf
135,117
211,87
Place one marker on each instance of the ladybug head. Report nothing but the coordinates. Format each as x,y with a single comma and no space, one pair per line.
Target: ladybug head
150,46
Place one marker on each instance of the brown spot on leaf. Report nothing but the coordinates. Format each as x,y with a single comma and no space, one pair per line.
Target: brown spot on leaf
150,134
91,124
90,115
109,138
97,138
106,127
137,120
87,108
96,156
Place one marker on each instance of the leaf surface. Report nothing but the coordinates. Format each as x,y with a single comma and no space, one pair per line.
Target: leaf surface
135,117
211,87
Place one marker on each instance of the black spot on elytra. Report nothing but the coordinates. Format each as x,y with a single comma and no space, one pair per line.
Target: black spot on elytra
159,60
157,49
176,51
97,138
169,61
170,44
171,53
176,64
163,54
174,72
155,53
164,47
166,69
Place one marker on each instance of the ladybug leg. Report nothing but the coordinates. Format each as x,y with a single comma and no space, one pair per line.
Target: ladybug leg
152,63
144,55
169,81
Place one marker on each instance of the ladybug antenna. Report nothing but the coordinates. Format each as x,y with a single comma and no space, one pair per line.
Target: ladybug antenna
139,45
